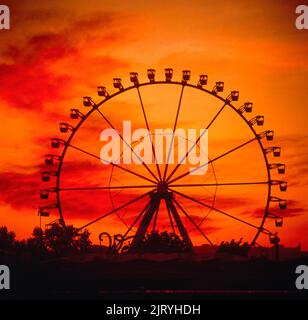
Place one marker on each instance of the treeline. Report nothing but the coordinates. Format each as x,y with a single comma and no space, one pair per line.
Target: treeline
56,240
237,248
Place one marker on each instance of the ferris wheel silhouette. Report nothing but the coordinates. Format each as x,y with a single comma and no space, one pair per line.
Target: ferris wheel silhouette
163,184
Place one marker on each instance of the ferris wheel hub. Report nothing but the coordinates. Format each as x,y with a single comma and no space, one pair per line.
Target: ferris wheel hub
162,187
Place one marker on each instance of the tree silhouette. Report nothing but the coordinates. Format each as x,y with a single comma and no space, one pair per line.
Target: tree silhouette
36,244
7,238
83,242
66,239
56,240
162,242
234,248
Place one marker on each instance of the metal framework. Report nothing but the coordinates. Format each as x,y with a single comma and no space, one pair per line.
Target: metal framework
163,185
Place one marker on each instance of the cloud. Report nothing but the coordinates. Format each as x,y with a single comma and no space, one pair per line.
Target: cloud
28,82
222,202
19,189
32,71
294,209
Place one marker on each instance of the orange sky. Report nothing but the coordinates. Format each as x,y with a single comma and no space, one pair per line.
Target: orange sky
57,52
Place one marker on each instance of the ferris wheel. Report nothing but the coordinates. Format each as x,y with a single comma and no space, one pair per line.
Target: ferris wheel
159,196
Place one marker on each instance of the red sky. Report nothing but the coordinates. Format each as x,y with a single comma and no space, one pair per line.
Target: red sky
57,52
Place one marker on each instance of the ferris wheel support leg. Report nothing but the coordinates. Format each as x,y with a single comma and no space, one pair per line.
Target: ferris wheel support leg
155,217
131,227
145,223
170,217
180,225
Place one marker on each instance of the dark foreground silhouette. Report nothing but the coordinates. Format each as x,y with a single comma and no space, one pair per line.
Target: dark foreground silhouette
93,275
80,272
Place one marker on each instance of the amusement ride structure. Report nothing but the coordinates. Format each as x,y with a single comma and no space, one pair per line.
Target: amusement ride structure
164,183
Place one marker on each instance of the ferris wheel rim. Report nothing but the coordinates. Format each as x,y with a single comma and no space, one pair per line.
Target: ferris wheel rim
179,83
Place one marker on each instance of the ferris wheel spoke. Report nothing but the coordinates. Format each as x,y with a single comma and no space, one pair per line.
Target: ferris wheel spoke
112,164
195,143
111,198
213,160
148,128
106,188
115,210
128,145
133,224
218,184
222,212
192,221
174,128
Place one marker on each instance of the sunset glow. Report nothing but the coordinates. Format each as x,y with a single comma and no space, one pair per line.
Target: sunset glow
57,53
